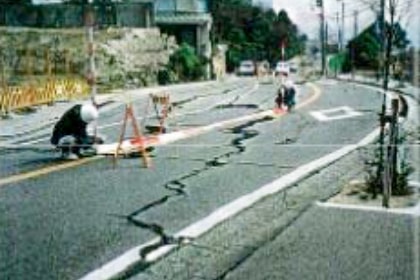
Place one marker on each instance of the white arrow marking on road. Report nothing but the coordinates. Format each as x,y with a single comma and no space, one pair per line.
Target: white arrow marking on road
338,113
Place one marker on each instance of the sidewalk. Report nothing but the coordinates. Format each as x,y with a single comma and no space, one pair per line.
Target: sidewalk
412,122
405,88
41,117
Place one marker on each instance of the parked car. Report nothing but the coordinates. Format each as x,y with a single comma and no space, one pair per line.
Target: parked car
246,68
282,67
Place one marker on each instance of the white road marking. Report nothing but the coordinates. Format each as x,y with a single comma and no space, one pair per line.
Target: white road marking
118,265
338,113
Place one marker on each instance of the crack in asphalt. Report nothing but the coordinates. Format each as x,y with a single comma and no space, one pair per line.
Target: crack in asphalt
231,106
195,97
287,141
256,164
177,187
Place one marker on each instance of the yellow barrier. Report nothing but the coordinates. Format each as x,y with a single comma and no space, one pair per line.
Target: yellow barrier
13,98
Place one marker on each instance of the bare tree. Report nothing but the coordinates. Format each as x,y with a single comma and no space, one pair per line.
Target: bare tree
389,12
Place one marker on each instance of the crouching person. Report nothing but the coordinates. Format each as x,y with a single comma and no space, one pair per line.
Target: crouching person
70,132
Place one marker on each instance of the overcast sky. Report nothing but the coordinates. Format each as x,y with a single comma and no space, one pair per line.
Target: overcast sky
306,16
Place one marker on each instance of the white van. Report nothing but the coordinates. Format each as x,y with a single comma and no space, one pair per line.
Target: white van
282,67
247,67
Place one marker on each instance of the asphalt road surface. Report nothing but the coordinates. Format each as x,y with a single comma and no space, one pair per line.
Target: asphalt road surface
63,224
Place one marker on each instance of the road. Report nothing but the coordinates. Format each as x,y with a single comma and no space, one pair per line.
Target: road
65,223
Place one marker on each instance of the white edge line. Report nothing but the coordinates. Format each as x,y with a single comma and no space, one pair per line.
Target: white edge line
121,263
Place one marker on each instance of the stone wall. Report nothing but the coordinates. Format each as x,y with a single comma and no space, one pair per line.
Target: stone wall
124,56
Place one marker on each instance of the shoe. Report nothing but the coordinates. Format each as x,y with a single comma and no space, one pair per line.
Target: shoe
88,152
70,156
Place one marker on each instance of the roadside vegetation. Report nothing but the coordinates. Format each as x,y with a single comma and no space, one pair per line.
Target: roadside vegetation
254,34
374,186
184,65
366,48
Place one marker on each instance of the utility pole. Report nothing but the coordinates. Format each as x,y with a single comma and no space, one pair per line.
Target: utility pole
90,23
337,19
341,28
342,25
356,23
320,4
355,32
326,34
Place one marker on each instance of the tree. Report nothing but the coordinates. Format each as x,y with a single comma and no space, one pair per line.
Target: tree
390,36
253,33
367,46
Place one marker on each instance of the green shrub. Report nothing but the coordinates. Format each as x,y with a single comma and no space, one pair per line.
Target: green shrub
372,163
187,65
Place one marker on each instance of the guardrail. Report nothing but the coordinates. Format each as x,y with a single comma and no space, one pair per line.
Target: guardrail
17,97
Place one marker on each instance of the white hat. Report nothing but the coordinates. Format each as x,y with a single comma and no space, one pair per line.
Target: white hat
88,113
289,83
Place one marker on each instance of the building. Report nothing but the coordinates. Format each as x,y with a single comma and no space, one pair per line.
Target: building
188,21
138,13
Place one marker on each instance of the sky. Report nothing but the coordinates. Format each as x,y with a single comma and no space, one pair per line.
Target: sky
307,17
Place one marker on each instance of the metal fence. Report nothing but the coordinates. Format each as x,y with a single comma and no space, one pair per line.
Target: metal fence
18,97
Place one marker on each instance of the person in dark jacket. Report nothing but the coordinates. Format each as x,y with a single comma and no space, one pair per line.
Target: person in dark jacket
290,95
70,132
279,98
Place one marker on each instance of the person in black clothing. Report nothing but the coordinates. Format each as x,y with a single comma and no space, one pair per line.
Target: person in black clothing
70,132
289,95
279,99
